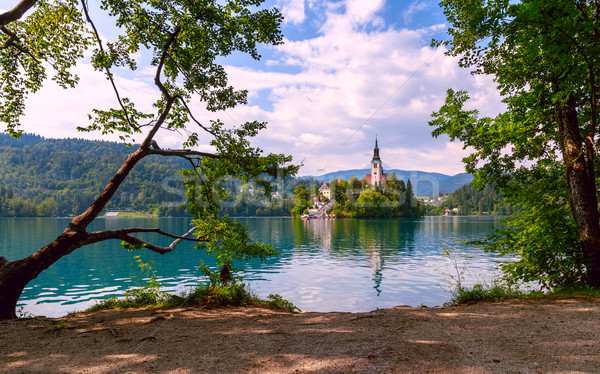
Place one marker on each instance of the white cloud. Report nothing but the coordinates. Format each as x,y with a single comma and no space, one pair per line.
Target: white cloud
363,11
293,10
325,97
355,83
56,112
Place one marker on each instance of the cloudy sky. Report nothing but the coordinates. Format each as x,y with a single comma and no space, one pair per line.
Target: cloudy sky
349,70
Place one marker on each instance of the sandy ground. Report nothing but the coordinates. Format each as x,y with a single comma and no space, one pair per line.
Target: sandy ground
560,336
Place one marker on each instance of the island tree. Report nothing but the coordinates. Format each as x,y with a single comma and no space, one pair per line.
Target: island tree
42,39
540,152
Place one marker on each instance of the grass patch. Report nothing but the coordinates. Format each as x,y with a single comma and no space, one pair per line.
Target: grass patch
204,296
500,292
481,292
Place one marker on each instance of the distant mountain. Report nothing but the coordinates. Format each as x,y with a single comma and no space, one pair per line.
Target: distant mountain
427,183
455,182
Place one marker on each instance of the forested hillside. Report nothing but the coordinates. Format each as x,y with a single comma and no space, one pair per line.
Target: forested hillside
469,200
61,177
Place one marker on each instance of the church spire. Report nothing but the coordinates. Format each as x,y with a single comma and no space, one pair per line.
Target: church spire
376,151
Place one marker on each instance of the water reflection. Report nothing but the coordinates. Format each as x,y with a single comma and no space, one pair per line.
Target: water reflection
376,243
325,265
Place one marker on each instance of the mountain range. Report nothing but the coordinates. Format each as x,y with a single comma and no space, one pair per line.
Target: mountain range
424,183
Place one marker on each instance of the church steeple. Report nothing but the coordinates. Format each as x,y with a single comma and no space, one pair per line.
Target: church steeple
376,151
377,176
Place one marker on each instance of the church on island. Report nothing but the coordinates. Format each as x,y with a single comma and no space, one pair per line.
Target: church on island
377,176
365,198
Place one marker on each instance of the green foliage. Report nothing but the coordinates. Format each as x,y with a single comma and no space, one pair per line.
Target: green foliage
228,240
61,177
278,302
482,292
498,290
540,152
34,45
58,326
301,200
220,296
542,233
202,295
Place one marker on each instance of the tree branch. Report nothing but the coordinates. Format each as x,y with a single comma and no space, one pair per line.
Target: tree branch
163,89
187,108
108,73
185,153
162,62
16,12
119,233
81,221
124,234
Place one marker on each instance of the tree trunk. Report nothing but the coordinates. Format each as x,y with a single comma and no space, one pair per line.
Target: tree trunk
15,275
582,188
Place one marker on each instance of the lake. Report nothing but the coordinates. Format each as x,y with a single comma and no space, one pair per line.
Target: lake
352,265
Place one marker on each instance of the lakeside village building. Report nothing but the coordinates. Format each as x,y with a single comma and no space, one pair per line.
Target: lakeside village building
376,178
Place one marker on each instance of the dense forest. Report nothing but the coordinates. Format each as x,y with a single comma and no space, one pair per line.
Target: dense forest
61,177
469,200
42,177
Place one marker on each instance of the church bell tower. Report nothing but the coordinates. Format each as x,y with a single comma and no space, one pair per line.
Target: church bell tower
376,167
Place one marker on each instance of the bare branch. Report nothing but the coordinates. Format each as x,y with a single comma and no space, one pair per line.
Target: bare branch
163,89
108,73
124,234
180,152
13,41
195,120
16,12
120,233
162,62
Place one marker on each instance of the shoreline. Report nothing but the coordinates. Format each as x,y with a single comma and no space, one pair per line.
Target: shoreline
532,336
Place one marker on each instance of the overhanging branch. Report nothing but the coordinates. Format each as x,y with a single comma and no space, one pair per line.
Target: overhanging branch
16,12
125,235
185,153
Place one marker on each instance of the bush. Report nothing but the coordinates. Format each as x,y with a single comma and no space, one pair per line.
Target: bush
480,292
205,296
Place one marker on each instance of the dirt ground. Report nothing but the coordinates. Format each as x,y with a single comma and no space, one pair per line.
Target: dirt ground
536,336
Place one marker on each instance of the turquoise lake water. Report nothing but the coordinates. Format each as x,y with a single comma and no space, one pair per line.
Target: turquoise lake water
352,265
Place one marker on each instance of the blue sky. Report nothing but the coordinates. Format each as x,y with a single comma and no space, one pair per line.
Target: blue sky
349,70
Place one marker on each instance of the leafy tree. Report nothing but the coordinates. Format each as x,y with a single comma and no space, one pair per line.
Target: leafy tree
185,39
544,56
393,183
354,186
410,195
301,200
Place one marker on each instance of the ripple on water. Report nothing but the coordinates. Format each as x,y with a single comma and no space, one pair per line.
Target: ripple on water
343,265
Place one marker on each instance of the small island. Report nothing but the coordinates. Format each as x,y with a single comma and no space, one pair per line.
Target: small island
377,195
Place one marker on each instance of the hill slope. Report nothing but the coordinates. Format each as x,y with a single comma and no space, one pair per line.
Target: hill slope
67,174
